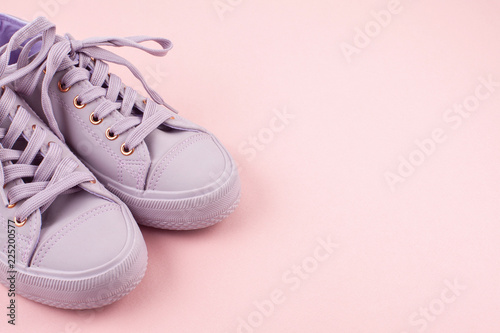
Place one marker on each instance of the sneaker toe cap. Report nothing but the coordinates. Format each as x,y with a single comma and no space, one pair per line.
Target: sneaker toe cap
192,164
91,240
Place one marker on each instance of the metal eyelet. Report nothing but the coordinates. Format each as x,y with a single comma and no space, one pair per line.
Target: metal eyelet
77,104
11,205
33,127
93,181
93,120
61,89
109,136
21,223
125,151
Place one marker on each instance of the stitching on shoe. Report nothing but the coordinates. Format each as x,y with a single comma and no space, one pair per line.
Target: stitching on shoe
84,126
116,157
4,227
24,241
40,256
172,154
33,227
137,172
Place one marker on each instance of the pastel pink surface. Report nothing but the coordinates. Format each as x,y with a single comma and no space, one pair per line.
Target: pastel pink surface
320,175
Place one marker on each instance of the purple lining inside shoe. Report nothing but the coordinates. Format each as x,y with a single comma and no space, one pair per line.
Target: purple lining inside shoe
9,26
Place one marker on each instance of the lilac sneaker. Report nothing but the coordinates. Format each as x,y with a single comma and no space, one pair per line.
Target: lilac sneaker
72,244
171,173
65,240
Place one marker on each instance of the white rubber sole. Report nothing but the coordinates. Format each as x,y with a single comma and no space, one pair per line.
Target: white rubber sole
195,224
181,210
190,213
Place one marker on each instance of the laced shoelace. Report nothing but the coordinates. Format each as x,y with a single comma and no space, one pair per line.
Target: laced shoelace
58,53
53,176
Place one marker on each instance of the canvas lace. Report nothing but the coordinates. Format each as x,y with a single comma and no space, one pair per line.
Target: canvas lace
38,183
87,61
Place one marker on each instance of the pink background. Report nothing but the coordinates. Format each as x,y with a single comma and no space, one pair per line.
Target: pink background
323,173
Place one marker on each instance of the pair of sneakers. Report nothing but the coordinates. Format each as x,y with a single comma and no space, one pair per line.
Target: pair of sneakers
83,158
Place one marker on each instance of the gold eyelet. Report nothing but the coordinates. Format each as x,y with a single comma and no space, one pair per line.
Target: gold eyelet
11,205
61,89
126,152
20,224
77,104
44,71
145,101
93,181
93,120
172,117
109,136
33,127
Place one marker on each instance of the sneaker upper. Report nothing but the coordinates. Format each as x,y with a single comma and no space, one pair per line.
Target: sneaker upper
139,147
168,159
67,225
72,236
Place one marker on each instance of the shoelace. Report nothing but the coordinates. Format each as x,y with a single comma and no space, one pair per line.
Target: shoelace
52,177
64,53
